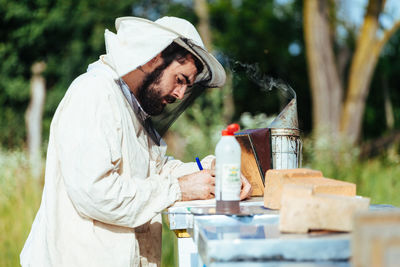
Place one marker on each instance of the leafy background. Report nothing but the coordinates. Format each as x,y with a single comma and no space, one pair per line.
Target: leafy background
246,34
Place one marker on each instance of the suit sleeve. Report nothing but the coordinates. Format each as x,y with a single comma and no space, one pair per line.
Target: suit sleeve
177,168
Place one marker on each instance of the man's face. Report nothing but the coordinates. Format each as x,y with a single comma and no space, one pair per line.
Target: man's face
166,84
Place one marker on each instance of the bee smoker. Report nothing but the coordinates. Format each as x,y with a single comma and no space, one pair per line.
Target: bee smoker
276,147
286,145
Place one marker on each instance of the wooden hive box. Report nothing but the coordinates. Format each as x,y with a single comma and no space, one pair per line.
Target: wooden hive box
376,239
256,156
277,179
303,210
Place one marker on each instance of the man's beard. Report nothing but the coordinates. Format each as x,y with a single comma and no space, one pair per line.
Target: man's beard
149,96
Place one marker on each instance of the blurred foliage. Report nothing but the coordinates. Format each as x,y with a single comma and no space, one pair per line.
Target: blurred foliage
385,75
68,35
201,137
169,246
20,196
248,40
376,178
270,35
257,121
201,125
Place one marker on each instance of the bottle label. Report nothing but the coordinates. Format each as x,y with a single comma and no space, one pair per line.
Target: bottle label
230,182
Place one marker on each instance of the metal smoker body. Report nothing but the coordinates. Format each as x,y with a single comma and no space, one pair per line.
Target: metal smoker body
286,145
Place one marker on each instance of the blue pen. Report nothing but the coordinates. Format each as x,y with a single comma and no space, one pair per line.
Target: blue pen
199,164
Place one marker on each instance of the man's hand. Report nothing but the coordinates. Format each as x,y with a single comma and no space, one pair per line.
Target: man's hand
198,185
246,189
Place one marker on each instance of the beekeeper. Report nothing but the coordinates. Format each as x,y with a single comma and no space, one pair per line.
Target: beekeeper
107,177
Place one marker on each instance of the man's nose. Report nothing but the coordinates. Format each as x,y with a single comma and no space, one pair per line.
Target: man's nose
179,92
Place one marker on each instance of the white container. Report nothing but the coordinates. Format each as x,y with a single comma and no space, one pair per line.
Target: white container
227,182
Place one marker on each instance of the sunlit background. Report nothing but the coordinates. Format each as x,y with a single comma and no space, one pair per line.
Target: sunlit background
348,102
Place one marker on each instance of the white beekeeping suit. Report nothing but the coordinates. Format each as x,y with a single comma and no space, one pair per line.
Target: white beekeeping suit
106,180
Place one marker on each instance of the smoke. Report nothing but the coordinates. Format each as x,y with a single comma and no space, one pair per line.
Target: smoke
265,82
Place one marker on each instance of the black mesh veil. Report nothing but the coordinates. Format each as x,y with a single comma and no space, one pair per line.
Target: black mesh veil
171,112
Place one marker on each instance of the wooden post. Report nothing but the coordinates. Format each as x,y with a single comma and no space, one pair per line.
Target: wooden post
33,118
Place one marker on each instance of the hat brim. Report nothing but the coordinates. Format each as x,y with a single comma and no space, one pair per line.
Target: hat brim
217,76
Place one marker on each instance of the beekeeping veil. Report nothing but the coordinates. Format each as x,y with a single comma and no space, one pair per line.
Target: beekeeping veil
139,40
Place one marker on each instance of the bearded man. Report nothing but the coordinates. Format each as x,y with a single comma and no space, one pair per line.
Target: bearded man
107,177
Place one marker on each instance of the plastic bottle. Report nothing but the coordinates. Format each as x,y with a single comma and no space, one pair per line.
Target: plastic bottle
227,182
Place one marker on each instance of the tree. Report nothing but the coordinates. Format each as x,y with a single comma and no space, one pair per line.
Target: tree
201,8
33,118
338,108
267,37
326,89
65,35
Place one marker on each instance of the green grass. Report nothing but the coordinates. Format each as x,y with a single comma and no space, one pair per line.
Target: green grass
20,194
377,178
169,246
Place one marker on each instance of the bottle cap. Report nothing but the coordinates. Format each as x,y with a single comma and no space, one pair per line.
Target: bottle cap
231,129
226,132
234,127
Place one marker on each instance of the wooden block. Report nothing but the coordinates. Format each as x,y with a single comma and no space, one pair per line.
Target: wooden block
276,179
303,210
295,173
376,239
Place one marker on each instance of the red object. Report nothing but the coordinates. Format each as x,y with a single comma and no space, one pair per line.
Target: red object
231,129
226,133
234,127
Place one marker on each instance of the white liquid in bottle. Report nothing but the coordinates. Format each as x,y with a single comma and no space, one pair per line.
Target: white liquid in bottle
227,182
